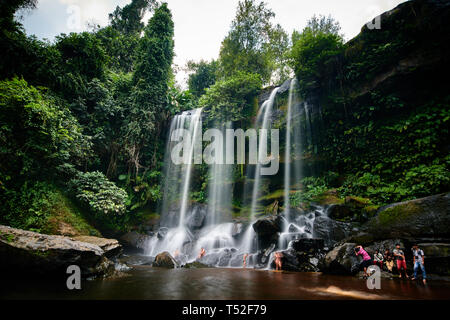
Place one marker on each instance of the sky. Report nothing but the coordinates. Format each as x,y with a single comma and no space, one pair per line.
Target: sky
201,25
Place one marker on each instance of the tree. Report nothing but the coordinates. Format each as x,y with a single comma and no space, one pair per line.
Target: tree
250,44
313,51
149,99
128,20
203,76
320,24
232,99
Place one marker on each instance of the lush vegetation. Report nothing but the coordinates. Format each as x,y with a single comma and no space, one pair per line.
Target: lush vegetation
83,119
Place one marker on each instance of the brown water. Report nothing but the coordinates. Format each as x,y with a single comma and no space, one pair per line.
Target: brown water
154,283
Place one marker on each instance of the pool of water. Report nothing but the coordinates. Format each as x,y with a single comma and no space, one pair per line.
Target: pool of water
153,283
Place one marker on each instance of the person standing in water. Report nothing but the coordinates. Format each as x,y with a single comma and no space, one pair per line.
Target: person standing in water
202,253
245,260
419,261
401,261
278,262
367,260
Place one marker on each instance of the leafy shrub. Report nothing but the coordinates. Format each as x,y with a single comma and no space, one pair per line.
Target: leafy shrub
29,206
232,99
98,193
425,180
312,188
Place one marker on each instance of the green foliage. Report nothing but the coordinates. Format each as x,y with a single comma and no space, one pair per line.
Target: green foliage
149,108
28,207
81,53
254,44
203,76
35,130
312,187
232,99
312,56
128,20
99,194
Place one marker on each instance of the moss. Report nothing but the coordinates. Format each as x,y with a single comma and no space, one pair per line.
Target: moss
398,213
370,211
327,199
278,194
66,217
7,237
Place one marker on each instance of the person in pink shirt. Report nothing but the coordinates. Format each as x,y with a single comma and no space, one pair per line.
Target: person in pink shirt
367,260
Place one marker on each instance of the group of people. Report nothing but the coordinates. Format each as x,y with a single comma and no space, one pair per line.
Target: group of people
386,260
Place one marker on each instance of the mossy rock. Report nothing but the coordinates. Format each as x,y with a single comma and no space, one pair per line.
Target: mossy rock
425,217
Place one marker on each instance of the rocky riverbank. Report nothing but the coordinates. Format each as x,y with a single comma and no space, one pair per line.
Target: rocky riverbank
34,254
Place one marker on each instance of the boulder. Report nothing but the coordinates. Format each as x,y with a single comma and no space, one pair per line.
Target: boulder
268,225
135,240
195,265
111,247
162,232
27,252
293,260
197,217
437,257
341,260
307,245
165,260
331,231
425,217
267,230
339,211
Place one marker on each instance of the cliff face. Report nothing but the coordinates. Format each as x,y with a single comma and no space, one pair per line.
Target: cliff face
384,106
407,54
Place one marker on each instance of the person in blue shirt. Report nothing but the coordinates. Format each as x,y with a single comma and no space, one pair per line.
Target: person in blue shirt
419,261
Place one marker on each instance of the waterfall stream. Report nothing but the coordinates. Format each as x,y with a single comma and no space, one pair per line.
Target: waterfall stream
186,227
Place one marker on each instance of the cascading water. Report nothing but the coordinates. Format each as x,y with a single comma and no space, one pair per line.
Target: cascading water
176,235
262,122
186,228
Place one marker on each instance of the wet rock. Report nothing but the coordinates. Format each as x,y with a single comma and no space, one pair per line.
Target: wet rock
197,217
330,230
268,225
237,230
267,230
293,213
437,257
111,247
307,245
165,260
425,217
339,211
162,232
293,260
137,260
341,260
195,265
134,240
49,256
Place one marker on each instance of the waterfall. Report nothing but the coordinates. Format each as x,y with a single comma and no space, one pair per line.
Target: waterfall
193,129
262,122
219,188
175,237
186,228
